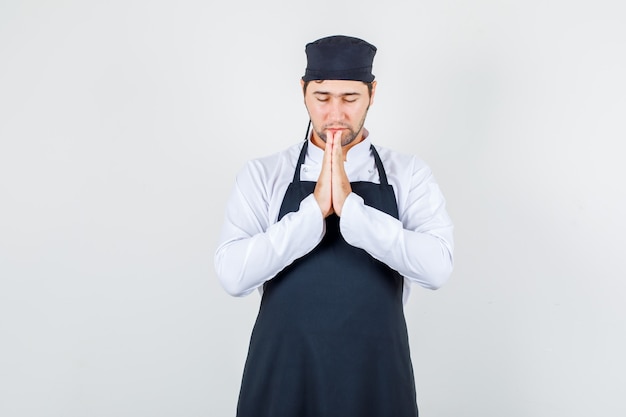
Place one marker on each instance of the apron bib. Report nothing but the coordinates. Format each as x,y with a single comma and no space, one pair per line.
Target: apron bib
330,338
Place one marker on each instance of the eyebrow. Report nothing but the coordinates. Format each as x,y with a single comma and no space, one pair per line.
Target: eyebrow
328,93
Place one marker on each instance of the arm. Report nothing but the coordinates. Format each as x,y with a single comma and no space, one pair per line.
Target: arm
251,249
419,245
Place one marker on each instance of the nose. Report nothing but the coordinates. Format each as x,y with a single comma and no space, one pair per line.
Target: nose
336,111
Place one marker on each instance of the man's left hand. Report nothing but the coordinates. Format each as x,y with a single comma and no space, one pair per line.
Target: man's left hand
340,182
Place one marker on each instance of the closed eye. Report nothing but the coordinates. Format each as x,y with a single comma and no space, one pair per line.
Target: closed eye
346,97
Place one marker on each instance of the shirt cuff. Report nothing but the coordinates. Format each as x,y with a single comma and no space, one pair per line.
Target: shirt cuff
313,224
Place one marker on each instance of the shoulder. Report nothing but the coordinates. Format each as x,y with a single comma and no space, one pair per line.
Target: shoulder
402,163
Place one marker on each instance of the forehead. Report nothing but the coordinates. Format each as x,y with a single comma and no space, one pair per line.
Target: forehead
336,87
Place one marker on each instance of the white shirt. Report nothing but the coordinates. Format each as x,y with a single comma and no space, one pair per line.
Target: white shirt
254,247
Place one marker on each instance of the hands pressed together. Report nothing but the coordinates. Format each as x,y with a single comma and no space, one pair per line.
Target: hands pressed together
333,185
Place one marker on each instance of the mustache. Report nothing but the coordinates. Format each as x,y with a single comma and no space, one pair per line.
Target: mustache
336,125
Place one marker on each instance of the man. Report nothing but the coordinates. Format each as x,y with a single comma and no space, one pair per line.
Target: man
332,232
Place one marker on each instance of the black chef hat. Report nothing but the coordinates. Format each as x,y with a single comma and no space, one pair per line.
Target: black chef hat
339,58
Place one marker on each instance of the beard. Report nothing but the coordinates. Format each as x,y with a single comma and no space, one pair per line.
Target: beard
347,136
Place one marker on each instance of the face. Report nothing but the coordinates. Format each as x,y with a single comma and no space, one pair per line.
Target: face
338,105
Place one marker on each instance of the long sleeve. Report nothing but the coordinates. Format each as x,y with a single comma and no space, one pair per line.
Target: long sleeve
253,249
254,246
420,244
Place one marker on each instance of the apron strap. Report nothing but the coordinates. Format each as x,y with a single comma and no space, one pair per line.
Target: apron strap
379,166
296,173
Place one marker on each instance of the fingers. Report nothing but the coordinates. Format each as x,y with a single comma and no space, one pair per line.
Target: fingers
327,168
340,182
333,185
337,149
323,188
328,151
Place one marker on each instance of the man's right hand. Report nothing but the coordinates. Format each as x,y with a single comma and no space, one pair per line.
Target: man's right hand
323,188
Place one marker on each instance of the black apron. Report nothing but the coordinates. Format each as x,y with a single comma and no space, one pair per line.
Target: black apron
330,338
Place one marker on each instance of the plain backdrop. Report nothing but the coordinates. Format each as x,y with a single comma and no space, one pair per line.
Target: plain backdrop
124,123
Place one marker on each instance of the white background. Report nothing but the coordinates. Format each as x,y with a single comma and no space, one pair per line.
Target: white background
123,124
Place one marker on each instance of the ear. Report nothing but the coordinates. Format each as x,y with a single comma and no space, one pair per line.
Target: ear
374,83
303,93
